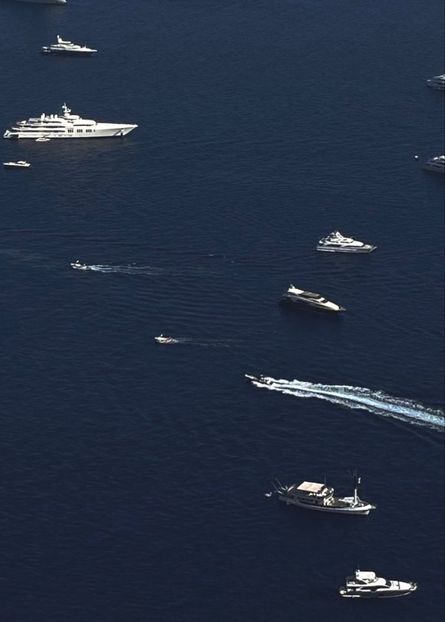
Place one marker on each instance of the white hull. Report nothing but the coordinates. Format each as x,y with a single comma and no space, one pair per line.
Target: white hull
108,130
345,250
386,594
363,510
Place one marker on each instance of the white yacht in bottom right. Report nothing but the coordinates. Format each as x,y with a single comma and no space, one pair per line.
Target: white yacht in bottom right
366,584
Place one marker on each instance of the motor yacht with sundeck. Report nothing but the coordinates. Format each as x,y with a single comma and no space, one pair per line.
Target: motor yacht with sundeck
67,48
335,242
366,584
18,164
436,164
310,299
437,82
165,340
322,498
66,125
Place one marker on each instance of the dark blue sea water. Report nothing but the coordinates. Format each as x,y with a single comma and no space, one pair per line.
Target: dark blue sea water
133,475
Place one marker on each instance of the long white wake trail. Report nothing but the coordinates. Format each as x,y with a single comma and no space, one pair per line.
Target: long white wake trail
362,398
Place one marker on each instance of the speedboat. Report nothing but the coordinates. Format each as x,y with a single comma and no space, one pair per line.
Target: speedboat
18,164
320,497
78,266
311,299
436,164
335,242
366,584
165,340
67,48
66,125
437,82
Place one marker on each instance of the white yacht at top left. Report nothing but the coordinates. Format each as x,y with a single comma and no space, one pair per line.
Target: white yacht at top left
66,125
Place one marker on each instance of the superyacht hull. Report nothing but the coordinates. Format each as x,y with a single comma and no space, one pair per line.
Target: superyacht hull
325,249
78,53
298,303
110,132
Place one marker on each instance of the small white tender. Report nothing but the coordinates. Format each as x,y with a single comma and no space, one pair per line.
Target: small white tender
366,584
310,299
335,242
18,164
165,340
76,265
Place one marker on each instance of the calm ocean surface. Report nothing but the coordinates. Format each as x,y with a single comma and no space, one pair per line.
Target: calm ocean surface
133,475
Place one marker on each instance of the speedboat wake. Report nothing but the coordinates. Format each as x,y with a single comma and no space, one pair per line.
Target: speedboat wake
361,398
129,269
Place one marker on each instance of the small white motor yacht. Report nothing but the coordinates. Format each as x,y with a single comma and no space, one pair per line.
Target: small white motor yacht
165,340
18,164
366,584
320,497
436,164
310,299
437,82
67,48
76,265
42,139
335,242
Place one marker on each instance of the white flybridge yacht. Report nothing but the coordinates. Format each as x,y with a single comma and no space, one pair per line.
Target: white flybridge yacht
436,164
66,125
437,82
366,584
320,497
67,48
335,242
311,299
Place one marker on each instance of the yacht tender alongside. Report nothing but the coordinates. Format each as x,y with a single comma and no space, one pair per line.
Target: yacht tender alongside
320,497
66,125
67,48
310,299
436,164
335,242
366,584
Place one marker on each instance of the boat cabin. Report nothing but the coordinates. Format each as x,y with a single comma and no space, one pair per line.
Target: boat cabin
311,493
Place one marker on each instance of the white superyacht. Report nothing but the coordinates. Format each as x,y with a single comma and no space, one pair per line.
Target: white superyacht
66,125
310,299
335,242
67,48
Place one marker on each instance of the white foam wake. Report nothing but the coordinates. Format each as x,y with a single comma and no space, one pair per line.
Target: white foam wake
130,269
376,402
